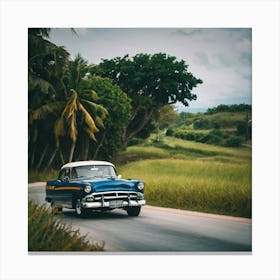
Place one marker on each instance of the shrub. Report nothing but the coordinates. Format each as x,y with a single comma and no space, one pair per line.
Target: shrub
169,132
47,233
234,141
202,124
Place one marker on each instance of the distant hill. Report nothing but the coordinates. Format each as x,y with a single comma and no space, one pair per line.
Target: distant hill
224,125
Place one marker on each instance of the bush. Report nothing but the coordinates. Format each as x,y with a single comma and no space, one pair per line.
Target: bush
169,132
234,141
202,124
47,233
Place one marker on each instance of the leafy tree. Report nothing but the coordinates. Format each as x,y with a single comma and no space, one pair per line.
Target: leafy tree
151,81
167,116
46,66
230,108
117,103
59,107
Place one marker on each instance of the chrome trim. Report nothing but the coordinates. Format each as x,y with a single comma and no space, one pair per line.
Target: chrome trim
111,195
107,204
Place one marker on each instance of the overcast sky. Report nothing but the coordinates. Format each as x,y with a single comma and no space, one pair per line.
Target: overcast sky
221,57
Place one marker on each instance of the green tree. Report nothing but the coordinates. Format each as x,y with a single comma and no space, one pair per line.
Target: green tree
151,81
79,114
167,116
118,104
71,118
47,64
67,110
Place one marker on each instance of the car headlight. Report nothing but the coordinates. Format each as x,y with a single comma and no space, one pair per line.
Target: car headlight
140,186
87,189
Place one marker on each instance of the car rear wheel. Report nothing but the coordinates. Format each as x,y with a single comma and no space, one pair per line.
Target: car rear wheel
133,211
56,209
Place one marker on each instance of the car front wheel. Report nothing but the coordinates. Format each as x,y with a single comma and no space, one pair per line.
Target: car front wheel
133,211
80,211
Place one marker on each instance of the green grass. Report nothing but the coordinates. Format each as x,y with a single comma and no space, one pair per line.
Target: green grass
47,233
194,176
41,176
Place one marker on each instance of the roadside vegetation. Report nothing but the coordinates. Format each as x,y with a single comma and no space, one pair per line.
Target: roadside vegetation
47,233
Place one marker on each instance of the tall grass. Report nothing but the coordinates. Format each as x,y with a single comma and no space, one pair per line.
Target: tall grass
41,176
196,176
47,233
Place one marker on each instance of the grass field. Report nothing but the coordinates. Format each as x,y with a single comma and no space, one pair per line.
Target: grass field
194,176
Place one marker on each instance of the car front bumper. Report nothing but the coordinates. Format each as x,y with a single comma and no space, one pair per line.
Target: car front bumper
113,204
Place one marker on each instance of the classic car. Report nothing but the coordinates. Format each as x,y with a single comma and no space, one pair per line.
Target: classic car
94,185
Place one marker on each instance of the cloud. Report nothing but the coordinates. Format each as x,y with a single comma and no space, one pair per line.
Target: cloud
188,32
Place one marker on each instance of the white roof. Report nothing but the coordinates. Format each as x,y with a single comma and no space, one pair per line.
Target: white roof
87,162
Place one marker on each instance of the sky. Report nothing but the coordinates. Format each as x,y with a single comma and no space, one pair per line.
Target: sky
221,57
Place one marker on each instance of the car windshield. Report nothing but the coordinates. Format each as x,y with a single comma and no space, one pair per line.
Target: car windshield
93,171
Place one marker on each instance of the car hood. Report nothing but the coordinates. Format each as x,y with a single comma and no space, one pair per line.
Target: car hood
108,184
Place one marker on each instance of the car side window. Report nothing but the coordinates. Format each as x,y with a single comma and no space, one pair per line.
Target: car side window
61,174
74,173
64,173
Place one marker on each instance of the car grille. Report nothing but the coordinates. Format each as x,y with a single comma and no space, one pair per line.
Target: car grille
116,195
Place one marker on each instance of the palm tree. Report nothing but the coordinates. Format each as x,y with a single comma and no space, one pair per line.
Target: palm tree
46,67
79,114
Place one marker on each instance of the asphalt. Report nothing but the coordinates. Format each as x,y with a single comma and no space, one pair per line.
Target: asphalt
160,230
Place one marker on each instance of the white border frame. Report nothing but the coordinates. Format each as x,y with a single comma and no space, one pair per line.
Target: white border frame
262,16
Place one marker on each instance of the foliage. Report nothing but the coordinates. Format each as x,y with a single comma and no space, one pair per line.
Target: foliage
117,103
71,114
167,116
46,65
234,141
41,176
47,233
230,108
151,81
221,128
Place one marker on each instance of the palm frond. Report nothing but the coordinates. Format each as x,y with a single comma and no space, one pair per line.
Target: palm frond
90,134
46,110
88,118
36,81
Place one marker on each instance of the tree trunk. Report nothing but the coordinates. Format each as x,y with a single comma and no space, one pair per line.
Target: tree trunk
42,157
85,148
99,146
32,156
51,159
61,157
128,135
72,151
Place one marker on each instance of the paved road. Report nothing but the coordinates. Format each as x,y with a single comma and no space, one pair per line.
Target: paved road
160,229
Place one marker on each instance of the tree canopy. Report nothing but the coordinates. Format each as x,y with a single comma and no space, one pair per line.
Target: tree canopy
151,81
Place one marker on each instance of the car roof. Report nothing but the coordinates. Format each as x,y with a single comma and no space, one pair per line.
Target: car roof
86,162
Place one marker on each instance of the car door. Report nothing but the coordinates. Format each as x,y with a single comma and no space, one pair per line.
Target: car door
63,188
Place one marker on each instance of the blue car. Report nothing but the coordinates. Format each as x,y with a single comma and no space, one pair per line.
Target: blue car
94,185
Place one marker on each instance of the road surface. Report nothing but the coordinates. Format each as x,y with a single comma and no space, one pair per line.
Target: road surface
161,230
